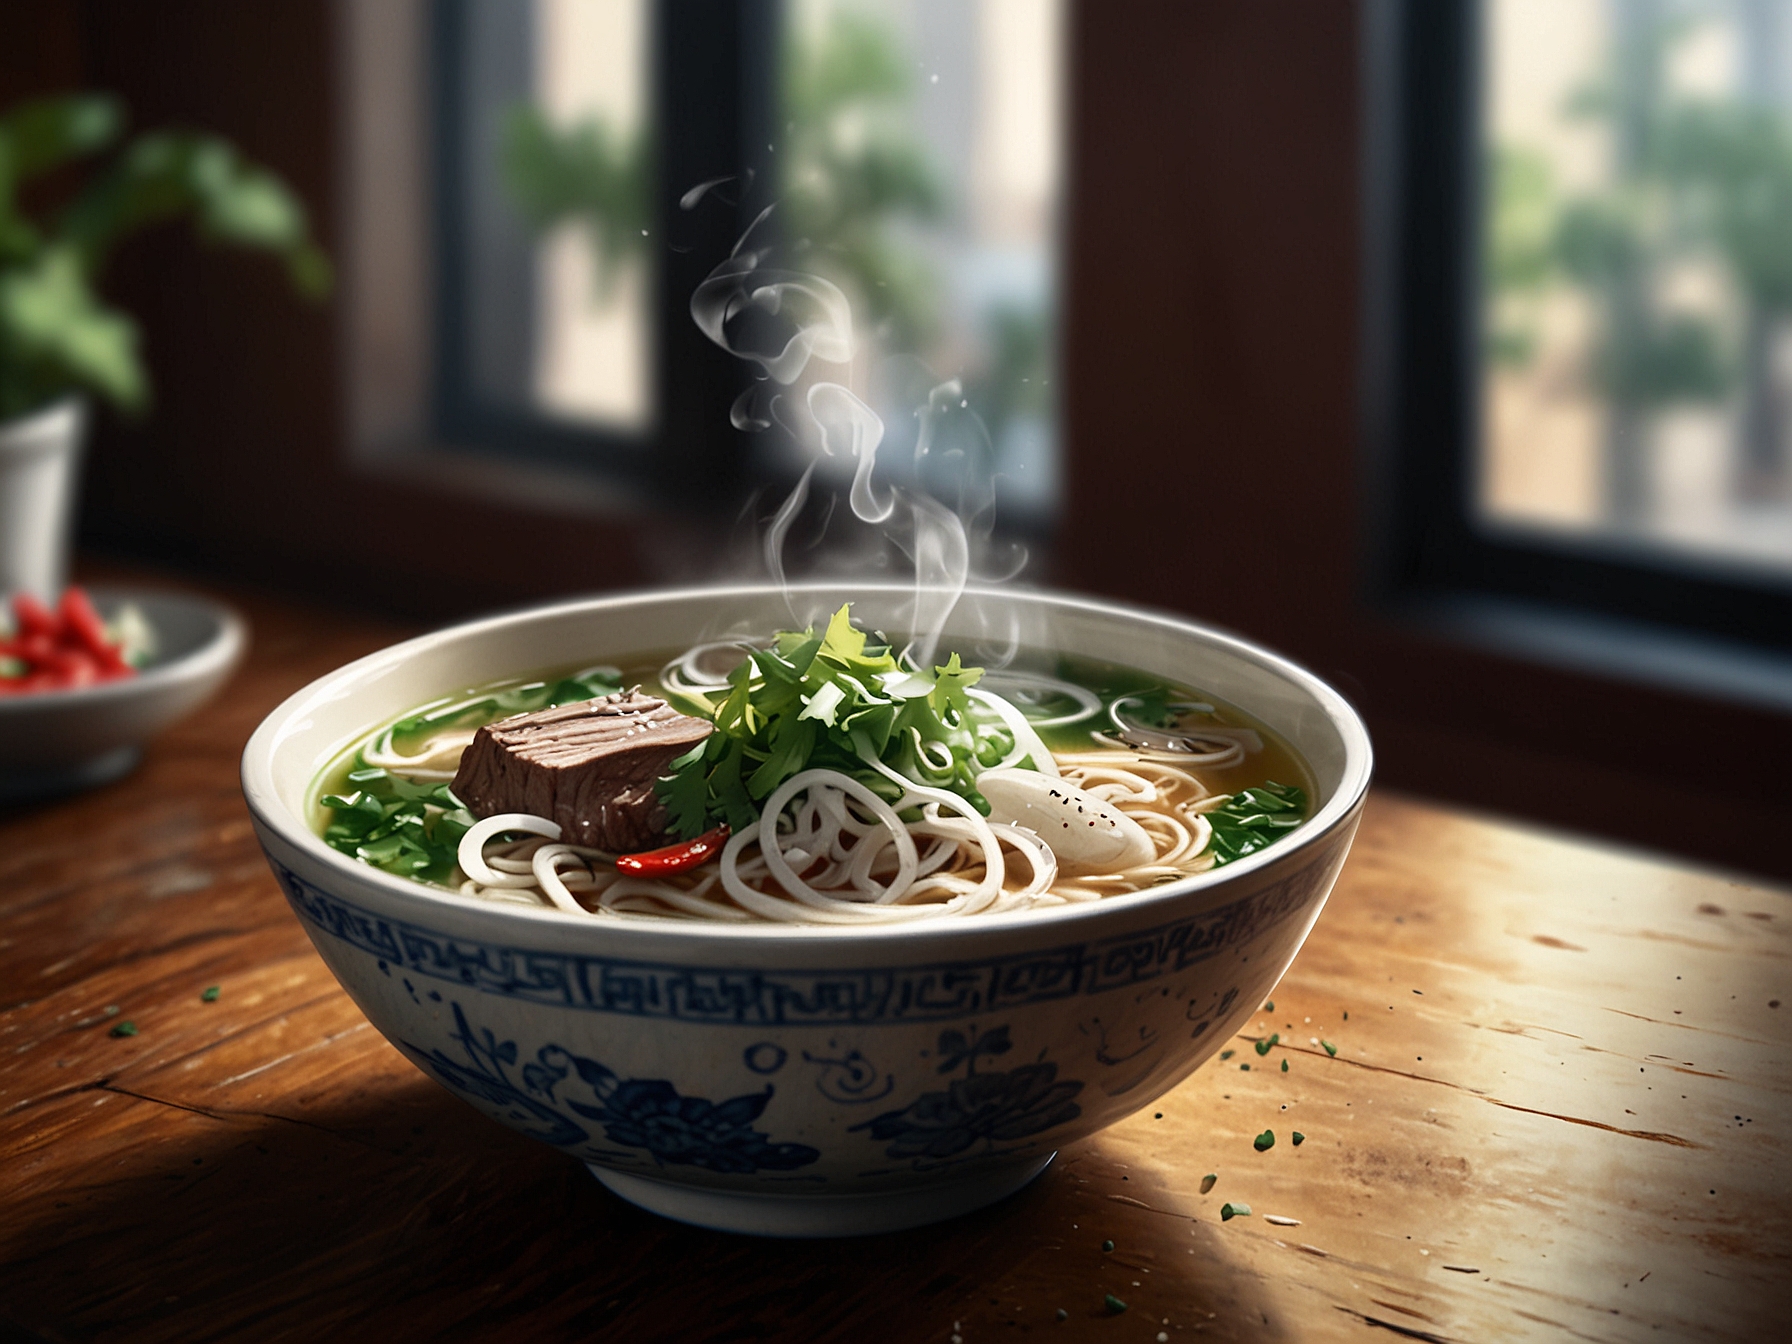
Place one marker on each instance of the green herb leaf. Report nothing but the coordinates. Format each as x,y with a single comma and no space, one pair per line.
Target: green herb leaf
1254,819
949,687
1107,1245
824,701
1207,1181
411,828
1329,1048
125,1029
210,994
1265,1045
1113,1304
1230,1211
1227,1054
1264,1141
1284,1066
1298,1138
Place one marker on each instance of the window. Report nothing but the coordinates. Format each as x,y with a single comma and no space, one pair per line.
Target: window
1586,377
595,159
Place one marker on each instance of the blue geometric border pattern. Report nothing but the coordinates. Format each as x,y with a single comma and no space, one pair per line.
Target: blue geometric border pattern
745,996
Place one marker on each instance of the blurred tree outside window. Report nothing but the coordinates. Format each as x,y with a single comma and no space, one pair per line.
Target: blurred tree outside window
922,167
913,159
1637,253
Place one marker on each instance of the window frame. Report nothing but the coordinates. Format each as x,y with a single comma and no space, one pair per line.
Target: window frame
1425,157
713,92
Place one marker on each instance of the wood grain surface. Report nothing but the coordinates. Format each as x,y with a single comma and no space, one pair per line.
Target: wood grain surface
1558,1109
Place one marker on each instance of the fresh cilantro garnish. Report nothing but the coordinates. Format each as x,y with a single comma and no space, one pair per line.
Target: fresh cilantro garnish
814,701
409,828
1249,821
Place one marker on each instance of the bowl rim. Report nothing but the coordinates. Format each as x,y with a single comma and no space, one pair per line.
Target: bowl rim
221,647
420,901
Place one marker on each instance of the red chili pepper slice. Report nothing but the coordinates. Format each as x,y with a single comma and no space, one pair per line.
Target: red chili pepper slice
83,623
678,858
32,616
60,649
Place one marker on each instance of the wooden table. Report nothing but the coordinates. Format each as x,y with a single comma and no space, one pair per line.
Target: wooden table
1558,1109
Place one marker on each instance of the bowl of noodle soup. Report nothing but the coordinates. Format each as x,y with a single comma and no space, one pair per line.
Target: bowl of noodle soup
889,995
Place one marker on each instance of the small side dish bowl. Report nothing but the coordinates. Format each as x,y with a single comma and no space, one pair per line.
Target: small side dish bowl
807,1081
57,741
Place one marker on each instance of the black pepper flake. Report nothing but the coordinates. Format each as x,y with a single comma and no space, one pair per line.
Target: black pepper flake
1063,1315
125,1029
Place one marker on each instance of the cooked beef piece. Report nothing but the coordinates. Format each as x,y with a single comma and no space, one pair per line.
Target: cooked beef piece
589,766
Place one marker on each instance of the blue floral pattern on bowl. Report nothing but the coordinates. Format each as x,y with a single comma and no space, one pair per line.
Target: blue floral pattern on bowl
641,1113
979,1108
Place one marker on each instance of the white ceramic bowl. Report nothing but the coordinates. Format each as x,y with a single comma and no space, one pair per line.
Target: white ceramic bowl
804,1081
55,741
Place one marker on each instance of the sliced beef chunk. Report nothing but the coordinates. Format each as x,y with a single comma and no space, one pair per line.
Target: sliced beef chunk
589,766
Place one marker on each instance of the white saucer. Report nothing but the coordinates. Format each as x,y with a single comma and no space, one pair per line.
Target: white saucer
59,741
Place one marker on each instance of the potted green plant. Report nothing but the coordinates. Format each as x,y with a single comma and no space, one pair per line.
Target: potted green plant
60,342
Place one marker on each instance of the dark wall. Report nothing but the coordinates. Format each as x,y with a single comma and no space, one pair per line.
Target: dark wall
1217,462
1211,363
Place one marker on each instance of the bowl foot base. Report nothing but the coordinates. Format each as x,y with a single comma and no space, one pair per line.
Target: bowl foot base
822,1215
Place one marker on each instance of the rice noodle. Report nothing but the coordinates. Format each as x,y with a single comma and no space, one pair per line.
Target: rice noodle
686,675
1088,704
1027,742
841,854
437,760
